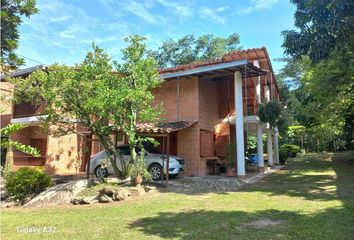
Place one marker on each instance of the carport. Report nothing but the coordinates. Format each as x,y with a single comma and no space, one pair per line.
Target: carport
163,130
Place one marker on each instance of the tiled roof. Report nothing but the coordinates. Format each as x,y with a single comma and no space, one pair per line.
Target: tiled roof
167,127
249,54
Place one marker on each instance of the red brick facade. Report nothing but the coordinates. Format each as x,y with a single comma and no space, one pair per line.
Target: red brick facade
207,101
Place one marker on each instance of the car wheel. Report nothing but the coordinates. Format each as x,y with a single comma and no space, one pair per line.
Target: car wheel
155,171
101,172
172,176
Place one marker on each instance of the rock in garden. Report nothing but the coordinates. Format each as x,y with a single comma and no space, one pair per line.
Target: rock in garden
90,200
107,191
121,194
3,195
137,191
77,201
148,189
104,199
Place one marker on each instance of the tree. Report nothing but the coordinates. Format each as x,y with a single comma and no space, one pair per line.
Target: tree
323,26
191,49
319,56
103,96
11,13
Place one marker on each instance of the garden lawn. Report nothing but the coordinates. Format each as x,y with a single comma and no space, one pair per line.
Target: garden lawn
311,198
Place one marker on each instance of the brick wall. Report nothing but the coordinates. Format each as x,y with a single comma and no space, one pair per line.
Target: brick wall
62,155
178,107
188,141
208,104
6,91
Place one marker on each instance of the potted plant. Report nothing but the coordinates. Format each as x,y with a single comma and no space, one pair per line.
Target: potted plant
138,171
230,157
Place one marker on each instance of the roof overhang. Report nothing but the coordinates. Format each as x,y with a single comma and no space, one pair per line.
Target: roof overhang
219,70
23,72
164,128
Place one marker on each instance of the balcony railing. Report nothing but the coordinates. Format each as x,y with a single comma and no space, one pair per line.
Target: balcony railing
250,106
27,109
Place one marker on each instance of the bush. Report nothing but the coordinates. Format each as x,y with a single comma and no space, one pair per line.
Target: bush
26,182
291,149
283,155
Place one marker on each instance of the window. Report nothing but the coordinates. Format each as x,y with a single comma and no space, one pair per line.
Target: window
124,150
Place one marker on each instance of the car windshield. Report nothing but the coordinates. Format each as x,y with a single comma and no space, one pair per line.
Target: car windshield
151,148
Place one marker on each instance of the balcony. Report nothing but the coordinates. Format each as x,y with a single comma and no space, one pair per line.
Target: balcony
250,106
26,110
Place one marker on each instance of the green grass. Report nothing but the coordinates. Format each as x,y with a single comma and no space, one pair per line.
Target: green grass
312,198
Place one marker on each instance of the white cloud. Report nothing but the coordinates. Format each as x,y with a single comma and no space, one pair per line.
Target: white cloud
222,9
180,9
211,14
258,5
63,31
143,10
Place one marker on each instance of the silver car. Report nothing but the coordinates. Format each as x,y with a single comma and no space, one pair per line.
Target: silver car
153,159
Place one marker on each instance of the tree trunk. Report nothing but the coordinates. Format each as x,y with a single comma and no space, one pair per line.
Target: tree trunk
111,152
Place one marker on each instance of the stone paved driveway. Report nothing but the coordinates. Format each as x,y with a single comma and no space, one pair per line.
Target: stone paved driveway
213,183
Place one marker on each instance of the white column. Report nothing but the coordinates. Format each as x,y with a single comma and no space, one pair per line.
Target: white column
240,146
259,125
269,147
276,146
260,145
269,134
258,83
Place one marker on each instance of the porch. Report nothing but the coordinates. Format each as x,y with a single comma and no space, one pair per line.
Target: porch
228,96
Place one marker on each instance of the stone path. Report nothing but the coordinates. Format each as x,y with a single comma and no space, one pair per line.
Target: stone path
195,185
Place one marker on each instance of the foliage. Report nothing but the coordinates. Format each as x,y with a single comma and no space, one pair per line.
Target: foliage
283,156
138,168
291,149
191,49
270,112
322,27
97,92
251,144
230,154
11,14
322,98
26,182
7,143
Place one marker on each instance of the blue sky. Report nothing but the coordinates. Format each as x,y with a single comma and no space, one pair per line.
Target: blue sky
63,31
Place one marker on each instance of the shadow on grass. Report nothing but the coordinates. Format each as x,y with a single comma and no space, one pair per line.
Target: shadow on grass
271,224
321,177
310,177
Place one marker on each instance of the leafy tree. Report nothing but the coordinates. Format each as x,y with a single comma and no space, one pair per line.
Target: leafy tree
323,26
297,133
11,13
190,49
103,96
319,56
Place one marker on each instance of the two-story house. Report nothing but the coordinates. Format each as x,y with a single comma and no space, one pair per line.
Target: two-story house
207,106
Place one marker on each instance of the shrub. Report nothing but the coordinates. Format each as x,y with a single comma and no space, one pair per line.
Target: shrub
26,182
283,155
291,149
